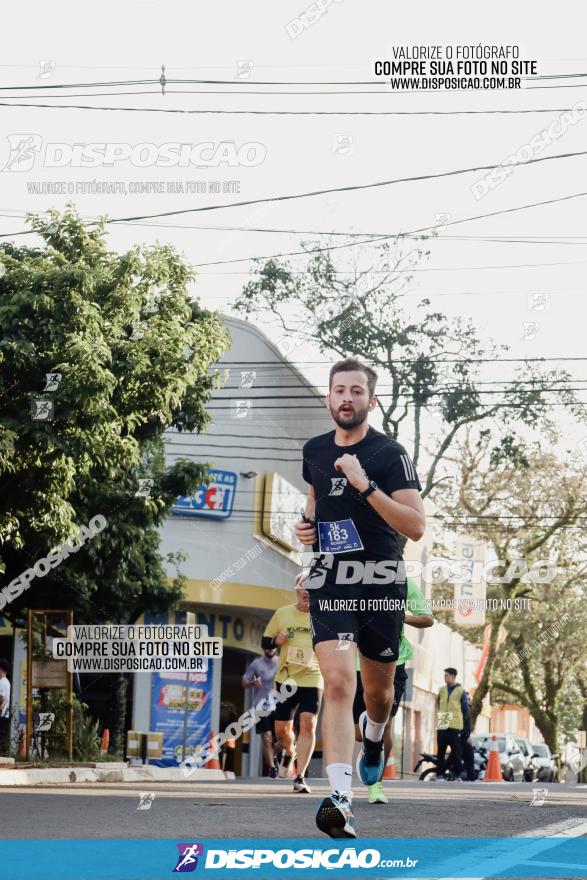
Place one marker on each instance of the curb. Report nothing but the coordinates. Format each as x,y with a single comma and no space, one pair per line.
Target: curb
65,775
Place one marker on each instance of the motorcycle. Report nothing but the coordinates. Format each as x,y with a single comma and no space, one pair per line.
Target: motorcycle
428,758
480,764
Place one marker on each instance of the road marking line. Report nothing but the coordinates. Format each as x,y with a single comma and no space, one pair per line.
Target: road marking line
486,867
576,827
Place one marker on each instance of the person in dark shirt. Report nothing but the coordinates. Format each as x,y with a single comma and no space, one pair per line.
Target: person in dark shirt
467,748
364,492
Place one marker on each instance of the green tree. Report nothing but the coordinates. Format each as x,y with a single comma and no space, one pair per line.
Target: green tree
129,353
539,661
527,506
431,363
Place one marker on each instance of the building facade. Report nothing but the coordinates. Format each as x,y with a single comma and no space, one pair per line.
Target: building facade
237,533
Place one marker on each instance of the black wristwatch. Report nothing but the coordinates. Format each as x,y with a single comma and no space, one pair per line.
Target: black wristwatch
370,488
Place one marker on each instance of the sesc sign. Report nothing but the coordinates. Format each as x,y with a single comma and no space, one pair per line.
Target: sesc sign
215,500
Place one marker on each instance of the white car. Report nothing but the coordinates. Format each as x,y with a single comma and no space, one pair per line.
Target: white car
531,765
546,762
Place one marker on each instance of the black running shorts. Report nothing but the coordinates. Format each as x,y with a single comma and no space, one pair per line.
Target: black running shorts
399,686
265,724
307,698
370,616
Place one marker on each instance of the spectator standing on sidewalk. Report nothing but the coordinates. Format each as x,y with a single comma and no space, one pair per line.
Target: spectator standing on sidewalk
4,708
454,722
468,750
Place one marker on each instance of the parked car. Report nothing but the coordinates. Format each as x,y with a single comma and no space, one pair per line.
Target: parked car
510,755
546,762
530,763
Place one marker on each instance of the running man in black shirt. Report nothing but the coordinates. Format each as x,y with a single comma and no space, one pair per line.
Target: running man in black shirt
363,492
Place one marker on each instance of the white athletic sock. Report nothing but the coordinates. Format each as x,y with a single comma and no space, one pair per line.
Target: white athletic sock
374,730
340,777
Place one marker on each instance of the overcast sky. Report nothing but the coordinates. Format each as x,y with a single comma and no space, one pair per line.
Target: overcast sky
491,281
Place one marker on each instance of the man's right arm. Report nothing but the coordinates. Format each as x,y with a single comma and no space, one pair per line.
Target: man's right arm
306,531
271,630
311,504
250,676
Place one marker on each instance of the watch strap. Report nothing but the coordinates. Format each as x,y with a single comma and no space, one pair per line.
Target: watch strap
370,489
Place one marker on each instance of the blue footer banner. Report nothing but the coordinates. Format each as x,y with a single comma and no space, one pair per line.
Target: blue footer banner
264,859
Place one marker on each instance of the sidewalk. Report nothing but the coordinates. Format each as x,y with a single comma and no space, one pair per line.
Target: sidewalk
106,771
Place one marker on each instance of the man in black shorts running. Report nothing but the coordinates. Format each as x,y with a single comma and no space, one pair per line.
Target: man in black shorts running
364,490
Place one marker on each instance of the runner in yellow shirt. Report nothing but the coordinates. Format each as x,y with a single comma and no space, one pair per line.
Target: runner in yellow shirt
289,630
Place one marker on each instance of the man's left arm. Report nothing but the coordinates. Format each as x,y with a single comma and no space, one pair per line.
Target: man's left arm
417,613
466,715
403,510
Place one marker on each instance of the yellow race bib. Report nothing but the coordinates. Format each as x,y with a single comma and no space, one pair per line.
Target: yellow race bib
300,656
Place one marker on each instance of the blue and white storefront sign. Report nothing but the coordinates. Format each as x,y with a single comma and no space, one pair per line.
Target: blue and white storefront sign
215,500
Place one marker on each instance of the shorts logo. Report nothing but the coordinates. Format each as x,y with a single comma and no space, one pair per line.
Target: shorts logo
344,641
389,652
338,485
187,860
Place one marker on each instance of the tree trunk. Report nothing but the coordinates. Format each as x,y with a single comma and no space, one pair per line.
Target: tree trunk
485,683
119,714
548,727
583,692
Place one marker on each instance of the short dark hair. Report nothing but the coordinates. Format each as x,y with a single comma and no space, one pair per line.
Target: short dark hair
4,666
451,671
348,365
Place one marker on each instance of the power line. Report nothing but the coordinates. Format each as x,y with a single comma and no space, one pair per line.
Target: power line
391,272
81,95
44,87
463,518
439,393
201,112
204,82
258,92
322,407
365,186
398,234
502,211
235,79
467,360
272,437
535,239
227,92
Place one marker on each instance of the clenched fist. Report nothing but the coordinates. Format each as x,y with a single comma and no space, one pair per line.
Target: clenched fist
351,467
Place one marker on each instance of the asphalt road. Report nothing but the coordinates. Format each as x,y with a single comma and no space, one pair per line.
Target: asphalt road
268,808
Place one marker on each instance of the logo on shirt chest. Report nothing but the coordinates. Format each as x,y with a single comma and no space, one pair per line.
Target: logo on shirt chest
338,485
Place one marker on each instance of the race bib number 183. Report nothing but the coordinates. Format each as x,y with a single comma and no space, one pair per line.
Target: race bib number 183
339,536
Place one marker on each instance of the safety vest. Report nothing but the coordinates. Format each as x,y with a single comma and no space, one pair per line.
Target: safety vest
450,706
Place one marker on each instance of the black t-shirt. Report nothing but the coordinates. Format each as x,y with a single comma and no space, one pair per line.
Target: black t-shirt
386,462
